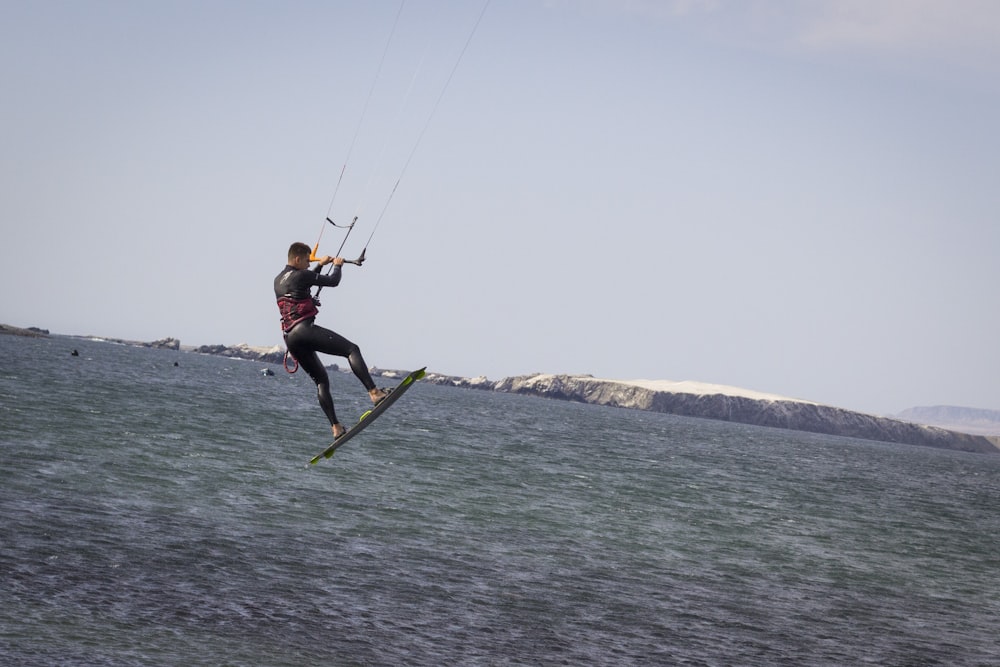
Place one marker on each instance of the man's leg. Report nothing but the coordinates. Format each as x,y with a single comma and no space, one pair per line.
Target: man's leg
330,342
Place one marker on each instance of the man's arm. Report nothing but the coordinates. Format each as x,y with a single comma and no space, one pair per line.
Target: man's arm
331,280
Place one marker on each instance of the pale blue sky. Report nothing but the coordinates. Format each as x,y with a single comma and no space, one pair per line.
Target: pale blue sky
793,197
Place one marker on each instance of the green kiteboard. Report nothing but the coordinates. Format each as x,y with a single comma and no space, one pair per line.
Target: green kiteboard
370,416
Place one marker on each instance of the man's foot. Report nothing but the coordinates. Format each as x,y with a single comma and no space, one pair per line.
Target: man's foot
377,395
338,430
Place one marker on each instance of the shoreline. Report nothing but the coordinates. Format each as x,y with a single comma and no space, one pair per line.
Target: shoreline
684,398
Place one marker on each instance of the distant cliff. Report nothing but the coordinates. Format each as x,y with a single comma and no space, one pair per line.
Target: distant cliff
31,332
775,412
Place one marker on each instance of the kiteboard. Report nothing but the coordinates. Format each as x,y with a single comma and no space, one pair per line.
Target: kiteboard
371,415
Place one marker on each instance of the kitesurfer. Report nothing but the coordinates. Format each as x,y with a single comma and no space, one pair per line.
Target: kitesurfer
304,339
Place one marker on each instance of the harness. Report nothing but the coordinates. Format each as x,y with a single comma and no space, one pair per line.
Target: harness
292,312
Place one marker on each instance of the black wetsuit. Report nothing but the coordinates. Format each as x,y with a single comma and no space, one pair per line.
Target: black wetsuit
304,338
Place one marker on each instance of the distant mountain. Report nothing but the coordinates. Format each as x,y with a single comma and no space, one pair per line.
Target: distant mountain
954,418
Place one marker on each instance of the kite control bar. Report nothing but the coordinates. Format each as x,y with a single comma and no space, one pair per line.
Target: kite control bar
358,262
313,257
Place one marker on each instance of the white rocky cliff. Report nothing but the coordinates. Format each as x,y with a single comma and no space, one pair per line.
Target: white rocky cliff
733,404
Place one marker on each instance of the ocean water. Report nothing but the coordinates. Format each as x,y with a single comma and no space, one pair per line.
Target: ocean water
162,514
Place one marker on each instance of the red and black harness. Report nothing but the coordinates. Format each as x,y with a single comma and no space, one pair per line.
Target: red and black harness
292,312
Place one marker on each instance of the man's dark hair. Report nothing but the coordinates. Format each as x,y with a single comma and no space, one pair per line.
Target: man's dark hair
298,250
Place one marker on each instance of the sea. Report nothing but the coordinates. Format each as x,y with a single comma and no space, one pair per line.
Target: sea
157,508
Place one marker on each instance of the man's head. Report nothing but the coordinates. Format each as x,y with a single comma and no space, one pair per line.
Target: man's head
298,255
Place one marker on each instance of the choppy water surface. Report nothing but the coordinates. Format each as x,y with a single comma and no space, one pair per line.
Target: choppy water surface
161,514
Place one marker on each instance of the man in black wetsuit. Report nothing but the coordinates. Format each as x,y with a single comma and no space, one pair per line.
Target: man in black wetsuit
304,338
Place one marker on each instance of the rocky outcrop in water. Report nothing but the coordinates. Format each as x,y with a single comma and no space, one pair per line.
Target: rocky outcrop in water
164,344
789,414
271,355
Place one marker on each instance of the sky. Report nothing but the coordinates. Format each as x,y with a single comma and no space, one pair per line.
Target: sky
798,198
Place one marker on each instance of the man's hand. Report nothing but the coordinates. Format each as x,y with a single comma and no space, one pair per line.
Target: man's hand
326,259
